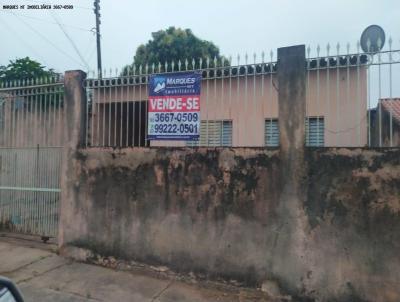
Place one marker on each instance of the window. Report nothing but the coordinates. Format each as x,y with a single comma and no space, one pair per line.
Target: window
315,132
271,133
214,134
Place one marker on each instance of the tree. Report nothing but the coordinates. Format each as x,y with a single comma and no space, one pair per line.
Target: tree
174,44
27,69
24,69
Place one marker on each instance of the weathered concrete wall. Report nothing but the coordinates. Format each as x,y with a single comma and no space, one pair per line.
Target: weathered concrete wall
184,208
353,211
74,133
219,212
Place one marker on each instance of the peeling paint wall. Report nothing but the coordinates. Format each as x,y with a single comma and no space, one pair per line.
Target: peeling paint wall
182,207
219,212
353,212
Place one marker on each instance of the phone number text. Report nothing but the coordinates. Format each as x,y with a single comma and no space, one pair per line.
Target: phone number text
174,129
174,117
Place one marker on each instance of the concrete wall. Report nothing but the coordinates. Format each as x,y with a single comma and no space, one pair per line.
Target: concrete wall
219,212
353,211
320,224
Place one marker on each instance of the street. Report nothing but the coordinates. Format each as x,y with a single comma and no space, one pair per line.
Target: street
44,276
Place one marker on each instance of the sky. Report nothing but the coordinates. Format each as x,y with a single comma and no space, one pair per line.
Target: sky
235,26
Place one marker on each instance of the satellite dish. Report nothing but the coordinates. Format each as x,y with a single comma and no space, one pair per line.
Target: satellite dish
372,39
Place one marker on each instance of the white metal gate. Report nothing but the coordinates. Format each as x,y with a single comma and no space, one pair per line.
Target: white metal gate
30,190
31,120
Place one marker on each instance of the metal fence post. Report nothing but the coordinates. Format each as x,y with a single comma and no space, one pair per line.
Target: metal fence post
74,137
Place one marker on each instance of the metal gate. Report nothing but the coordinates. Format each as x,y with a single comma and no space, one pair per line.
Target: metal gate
30,190
31,119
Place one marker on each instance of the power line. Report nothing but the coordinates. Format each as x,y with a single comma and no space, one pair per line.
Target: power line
88,48
48,21
24,42
89,58
71,41
48,41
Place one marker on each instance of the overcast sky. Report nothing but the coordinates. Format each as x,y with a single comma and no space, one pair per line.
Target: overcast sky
236,26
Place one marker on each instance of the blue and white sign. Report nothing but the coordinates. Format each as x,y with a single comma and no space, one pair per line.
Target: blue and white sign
174,106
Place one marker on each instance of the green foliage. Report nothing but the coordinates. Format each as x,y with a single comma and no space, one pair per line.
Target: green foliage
174,44
25,74
24,69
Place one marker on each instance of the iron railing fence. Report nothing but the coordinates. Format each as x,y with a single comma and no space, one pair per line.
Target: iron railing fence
351,98
236,101
351,101
31,140
31,112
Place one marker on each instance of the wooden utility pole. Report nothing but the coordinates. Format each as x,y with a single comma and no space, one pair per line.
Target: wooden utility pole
98,36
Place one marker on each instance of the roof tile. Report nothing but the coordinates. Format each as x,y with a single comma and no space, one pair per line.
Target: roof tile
392,104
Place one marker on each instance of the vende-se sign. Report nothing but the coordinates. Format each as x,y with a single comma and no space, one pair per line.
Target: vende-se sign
174,106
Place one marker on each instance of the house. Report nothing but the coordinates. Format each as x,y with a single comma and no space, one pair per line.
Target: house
385,123
239,106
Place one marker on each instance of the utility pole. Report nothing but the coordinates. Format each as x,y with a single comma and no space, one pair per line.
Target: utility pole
98,36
